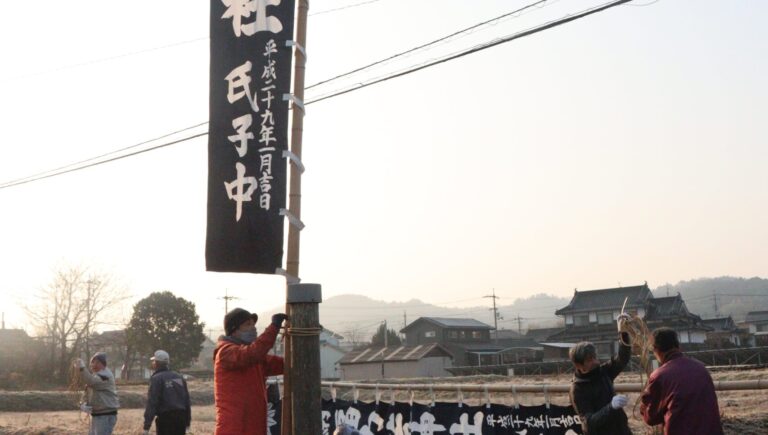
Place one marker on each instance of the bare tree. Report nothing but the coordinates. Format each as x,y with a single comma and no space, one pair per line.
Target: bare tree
70,308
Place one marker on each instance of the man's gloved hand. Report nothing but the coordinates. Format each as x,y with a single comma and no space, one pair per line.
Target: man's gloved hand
623,317
146,432
278,319
79,364
188,431
619,401
85,408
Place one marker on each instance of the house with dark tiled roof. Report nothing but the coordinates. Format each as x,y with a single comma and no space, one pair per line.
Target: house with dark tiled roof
372,363
591,316
468,340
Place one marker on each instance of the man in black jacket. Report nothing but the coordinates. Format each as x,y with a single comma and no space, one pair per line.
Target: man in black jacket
168,399
592,395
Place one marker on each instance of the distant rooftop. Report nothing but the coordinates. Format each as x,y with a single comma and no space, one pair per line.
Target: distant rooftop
757,316
445,322
609,298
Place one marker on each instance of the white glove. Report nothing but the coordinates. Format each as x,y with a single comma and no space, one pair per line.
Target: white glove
79,364
146,432
623,317
619,401
85,408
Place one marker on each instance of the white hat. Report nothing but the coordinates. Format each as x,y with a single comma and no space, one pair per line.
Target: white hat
161,356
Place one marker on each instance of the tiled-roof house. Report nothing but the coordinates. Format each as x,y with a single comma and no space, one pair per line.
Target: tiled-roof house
591,316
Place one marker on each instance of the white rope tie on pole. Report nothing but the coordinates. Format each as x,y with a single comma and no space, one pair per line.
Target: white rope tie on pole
290,279
296,101
432,397
287,154
487,396
333,393
298,46
377,395
293,220
460,397
514,397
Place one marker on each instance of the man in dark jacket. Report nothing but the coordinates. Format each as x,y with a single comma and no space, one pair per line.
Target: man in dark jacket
680,393
168,399
592,395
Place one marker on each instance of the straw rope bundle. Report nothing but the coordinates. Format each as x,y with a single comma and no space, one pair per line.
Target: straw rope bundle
77,393
642,345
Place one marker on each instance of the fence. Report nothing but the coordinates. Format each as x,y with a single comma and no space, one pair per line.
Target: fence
750,357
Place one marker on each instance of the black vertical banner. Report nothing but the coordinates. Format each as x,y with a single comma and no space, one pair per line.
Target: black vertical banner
250,71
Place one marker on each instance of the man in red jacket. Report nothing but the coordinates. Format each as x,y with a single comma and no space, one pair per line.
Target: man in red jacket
241,366
680,393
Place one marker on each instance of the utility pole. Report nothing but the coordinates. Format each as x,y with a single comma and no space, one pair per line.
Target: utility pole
3,319
714,295
384,351
405,323
495,315
519,326
227,298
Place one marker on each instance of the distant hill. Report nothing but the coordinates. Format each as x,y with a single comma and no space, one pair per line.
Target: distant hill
356,317
732,296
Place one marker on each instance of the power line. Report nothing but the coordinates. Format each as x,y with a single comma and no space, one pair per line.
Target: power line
328,11
394,56
100,60
163,145
14,182
487,45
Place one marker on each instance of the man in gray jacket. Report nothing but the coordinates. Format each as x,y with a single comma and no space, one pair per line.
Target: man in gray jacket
100,394
168,399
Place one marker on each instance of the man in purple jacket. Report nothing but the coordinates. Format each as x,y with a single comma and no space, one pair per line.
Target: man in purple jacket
680,393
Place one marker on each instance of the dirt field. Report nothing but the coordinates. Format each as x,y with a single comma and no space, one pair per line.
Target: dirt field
743,412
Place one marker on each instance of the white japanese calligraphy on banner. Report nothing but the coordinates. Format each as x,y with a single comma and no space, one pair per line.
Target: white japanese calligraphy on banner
250,73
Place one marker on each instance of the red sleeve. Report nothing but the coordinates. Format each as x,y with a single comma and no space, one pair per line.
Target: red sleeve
274,365
653,404
239,356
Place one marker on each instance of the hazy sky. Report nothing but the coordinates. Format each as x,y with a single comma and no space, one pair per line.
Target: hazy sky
624,147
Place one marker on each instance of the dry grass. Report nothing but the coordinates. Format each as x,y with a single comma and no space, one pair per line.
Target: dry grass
129,422
744,412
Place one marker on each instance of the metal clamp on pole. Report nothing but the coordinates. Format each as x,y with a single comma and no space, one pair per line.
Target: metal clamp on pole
298,47
293,220
294,159
295,100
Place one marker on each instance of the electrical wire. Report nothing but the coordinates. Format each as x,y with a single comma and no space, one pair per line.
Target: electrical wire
328,11
101,60
13,182
531,31
493,43
428,44
163,145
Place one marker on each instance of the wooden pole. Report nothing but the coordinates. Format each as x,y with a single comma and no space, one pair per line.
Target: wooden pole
306,394
294,206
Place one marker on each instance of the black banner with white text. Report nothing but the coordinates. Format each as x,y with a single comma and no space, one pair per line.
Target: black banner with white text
401,418
250,72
